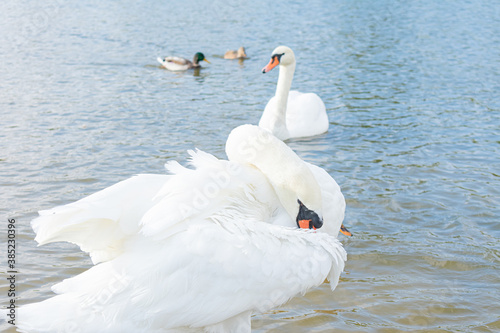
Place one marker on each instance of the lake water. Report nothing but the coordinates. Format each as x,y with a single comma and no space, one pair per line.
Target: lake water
411,89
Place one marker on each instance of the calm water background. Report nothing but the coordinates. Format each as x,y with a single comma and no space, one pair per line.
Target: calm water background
412,93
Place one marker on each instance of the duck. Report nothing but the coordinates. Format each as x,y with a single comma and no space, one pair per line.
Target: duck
200,248
239,54
291,114
181,64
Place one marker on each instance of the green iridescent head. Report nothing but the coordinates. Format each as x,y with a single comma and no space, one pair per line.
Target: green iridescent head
199,57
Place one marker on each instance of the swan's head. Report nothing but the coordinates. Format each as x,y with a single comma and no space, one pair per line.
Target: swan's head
199,57
292,180
308,219
282,56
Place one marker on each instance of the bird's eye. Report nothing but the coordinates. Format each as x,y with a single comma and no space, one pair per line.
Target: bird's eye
277,56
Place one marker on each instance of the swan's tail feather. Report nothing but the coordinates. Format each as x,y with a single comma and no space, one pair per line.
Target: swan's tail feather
339,257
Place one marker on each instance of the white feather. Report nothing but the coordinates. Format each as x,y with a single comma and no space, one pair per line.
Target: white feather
175,64
237,251
101,222
292,114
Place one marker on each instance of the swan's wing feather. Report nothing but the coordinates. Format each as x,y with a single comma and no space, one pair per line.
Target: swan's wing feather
305,114
189,194
258,266
199,159
198,277
209,190
100,222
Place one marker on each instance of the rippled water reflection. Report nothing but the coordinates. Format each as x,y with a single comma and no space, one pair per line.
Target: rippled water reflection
411,90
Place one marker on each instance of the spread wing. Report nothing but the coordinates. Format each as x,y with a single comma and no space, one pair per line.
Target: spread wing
101,222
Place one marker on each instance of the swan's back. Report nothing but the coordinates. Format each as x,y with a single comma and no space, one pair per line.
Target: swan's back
305,115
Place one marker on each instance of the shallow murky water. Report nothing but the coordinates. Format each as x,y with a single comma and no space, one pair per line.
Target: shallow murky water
412,94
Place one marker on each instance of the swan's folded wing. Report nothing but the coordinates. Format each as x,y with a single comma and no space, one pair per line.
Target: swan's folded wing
235,267
305,114
201,276
100,222
214,271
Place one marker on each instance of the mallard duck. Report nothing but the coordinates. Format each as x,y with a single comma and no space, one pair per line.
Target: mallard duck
182,64
292,114
201,249
240,54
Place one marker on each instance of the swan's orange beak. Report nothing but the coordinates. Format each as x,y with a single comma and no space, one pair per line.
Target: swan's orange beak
275,61
345,231
306,224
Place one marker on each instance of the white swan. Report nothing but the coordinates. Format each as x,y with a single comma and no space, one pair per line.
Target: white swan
292,114
200,249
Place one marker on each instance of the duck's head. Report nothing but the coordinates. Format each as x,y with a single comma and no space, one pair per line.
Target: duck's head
292,180
199,57
241,53
282,55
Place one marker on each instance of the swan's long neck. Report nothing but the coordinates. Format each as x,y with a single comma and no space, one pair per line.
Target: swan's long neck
282,90
288,174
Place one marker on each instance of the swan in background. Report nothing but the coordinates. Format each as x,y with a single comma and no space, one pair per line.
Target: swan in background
181,64
239,54
291,114
202,248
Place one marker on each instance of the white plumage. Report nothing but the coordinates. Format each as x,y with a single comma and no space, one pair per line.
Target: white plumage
201,249
292,114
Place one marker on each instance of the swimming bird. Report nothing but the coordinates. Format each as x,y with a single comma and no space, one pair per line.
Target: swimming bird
291,114
182,64
201,248
239,54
